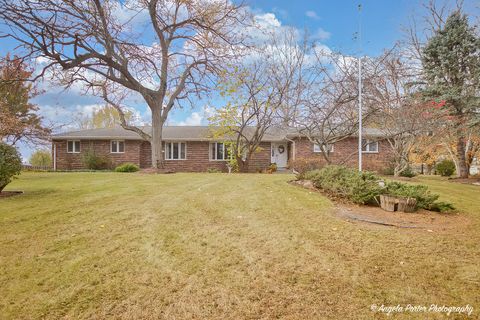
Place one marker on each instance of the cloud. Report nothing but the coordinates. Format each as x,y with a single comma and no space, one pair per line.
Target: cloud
321,34
312,14
195,119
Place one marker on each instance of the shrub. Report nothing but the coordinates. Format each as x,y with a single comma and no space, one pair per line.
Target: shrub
425,199
127,167
303,165
272,168
93,161
10,164
446,168
408,173
41,158
359,187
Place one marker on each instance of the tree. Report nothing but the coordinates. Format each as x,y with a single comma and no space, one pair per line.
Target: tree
168,62
258,91
18,118
105,117
400,113
10,164
328,108
451,63
41,158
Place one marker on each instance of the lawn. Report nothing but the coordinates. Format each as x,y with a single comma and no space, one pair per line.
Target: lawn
217,246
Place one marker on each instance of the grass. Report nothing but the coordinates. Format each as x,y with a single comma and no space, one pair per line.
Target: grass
216,246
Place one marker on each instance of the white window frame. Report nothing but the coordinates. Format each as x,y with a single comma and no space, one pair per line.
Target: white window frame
225,155
74,150
317,149
170,157
367,144
118,146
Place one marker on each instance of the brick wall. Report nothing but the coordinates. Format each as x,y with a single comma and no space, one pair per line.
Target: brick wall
139,152
345,152
73,161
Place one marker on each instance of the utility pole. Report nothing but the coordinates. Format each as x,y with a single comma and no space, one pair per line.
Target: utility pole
360,88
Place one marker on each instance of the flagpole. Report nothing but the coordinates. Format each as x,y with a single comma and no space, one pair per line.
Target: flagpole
360,88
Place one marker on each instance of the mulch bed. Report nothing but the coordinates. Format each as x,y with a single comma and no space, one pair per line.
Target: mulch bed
156,171
6,194
474,181
423,220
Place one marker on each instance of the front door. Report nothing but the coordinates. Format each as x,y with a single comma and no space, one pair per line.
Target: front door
280,154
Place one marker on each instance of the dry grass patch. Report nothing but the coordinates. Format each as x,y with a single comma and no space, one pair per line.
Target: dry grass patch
213,246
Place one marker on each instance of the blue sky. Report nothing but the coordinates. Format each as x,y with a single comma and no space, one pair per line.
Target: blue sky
334,22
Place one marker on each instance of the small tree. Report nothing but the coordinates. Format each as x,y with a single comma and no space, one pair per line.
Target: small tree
18,117
41,158
10,164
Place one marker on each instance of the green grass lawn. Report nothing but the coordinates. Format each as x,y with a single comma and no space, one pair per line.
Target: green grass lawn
217,246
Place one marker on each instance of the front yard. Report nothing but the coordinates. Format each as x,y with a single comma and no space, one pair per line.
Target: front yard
217,246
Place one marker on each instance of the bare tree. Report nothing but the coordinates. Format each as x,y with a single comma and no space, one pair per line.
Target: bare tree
257,91
168,61
328,111
400,109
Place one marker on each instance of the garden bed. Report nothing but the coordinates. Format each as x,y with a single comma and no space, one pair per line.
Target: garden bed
6,194
421,219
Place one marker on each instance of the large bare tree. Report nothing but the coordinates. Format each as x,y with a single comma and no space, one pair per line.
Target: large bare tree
168,59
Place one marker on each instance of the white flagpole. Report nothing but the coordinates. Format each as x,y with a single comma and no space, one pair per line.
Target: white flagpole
360,89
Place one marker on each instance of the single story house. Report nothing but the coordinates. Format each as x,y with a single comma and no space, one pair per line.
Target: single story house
192,149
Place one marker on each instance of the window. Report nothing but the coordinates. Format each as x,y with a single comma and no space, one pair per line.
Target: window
219,151
175,151
316,147
369,146
73,146
117,146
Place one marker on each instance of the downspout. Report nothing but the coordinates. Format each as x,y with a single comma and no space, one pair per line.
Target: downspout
54,156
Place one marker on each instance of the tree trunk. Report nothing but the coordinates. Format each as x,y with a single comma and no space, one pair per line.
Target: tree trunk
156,141
243,164
461,160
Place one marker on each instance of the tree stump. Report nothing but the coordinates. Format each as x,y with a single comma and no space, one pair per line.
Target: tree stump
407,204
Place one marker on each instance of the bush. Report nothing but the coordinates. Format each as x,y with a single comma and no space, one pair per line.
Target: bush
446,168
93,161
41,158
303,165
10,164
359,187
408,173
424,197
272,168
127,167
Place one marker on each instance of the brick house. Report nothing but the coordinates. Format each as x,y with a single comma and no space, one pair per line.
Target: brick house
192,149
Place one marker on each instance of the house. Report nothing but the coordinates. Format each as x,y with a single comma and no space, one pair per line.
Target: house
192,149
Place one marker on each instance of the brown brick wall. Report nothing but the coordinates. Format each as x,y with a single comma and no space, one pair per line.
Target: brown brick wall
139,152
345,152
73,161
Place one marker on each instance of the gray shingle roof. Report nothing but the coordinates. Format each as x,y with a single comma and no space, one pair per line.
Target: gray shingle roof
172,133
182,133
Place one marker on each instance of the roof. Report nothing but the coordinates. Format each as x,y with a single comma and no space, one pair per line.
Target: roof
170,133
184,133
367,132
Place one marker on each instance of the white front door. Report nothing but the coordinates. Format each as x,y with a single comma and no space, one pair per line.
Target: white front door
280,154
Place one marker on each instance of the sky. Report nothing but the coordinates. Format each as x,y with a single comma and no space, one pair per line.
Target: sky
333,22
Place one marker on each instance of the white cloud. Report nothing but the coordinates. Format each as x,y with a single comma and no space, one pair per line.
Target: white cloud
321,34
195,119
312,14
